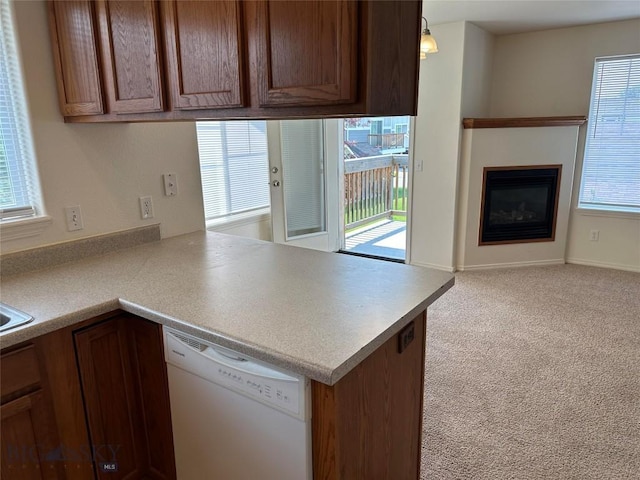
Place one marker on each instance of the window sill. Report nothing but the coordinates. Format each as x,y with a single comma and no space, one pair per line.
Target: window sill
221,224
592,212
23,227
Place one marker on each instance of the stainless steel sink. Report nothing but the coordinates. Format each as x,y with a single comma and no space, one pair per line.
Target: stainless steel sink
12,318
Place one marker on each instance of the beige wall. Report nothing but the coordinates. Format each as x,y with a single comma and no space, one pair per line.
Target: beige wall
454,83
437,136
258,227
549,73
103,168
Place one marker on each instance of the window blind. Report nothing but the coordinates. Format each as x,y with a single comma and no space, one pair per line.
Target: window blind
302,144
234,166
17,179
611,167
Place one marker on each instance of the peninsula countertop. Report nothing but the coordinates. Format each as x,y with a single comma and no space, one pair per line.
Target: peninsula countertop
314,313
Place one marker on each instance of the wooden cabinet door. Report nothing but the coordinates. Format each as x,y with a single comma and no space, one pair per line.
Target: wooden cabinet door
305,51
123,379
110,398
150,374
29,442
29,434
204,53
130,48
75,55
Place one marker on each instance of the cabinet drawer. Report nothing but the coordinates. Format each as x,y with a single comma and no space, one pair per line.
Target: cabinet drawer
19,370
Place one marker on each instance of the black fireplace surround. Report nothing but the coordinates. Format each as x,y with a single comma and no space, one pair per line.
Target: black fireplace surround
519,204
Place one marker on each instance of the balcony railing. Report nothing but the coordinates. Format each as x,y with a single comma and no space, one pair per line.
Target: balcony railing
387,140
375,188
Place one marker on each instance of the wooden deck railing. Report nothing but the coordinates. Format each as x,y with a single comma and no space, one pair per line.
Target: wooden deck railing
375,187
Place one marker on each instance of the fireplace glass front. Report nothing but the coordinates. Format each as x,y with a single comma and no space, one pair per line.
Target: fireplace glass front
519,204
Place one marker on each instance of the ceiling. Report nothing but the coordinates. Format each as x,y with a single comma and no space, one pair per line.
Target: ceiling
515,16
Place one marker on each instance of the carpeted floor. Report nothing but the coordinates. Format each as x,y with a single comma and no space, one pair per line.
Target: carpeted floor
534,373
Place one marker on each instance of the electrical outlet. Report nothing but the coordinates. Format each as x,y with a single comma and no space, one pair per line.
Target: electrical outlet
170,184
594,235
406,336
74,218
146,207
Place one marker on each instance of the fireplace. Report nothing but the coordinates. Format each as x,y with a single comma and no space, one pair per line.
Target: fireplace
519,204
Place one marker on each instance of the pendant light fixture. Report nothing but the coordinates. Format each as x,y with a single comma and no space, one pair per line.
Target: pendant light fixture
427,42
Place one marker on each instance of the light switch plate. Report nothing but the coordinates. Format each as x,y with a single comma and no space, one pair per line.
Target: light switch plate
74,218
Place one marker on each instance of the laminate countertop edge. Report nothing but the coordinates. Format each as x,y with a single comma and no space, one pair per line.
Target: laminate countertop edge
313,313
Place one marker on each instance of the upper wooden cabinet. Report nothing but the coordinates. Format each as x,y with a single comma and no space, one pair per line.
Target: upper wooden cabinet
153,60
75,56
314,63
205,55
130,47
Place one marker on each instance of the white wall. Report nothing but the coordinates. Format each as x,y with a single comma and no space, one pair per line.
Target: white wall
549,73
258,227
477,71
437,136
103,168
454,83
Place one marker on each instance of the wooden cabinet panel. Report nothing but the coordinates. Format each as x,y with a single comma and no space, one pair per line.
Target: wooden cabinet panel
29,443
369,424
110,399
130,48
126,398
392,56
75,56
203,44
306,52
28,434
148,367
19,370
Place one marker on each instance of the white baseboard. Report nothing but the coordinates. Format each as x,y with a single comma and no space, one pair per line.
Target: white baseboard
434,266
532,263
616,266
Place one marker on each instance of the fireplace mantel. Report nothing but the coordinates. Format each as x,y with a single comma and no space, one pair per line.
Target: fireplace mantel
523,122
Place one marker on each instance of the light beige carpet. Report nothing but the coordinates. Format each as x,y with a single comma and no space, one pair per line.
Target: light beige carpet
534,373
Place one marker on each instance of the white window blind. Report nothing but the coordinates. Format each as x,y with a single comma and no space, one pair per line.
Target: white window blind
18,180
302,143
611,168
234,166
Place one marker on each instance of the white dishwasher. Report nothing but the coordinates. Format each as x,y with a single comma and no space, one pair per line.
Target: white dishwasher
233,417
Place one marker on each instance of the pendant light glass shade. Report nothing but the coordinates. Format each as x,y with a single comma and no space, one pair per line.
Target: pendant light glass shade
427,42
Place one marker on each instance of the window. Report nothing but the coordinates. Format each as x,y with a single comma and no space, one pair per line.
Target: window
18,180
611,168
234,167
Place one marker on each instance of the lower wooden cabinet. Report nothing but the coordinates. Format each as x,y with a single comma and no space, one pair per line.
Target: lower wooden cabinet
369,424
29,435
91,401
126,401
88,401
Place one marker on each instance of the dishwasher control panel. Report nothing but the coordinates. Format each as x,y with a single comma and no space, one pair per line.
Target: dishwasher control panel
282,390
276,392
